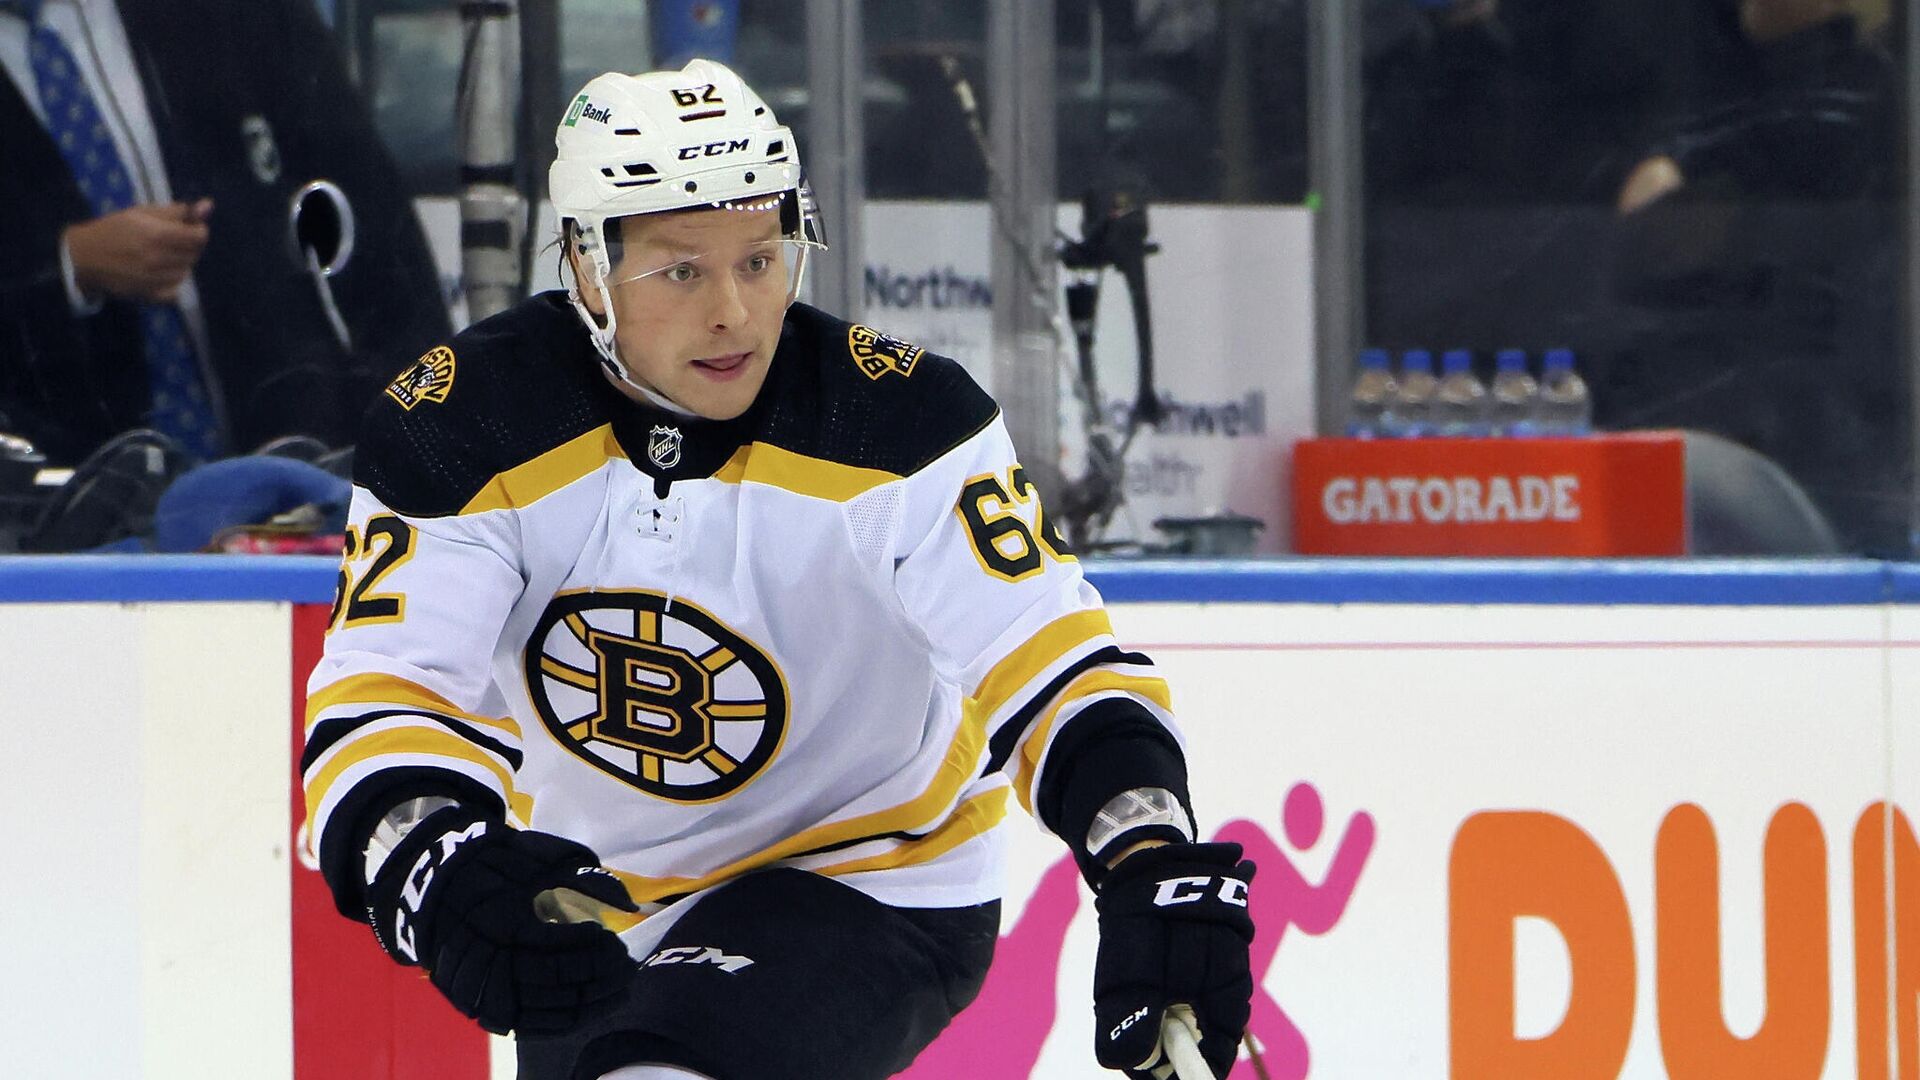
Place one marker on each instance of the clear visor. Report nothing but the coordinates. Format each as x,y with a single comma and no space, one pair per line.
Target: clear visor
772,264
779,262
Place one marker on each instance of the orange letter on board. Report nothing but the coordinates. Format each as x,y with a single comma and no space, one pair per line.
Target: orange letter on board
1791,1043
1870,925
1508,864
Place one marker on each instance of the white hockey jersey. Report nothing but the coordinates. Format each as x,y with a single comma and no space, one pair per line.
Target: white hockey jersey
837,633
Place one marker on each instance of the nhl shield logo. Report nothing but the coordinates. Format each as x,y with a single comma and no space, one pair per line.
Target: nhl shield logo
663,446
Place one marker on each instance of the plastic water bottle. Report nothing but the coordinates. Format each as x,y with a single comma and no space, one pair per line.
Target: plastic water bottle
1563,407
1460,404
1514,395
1370,408
1413,405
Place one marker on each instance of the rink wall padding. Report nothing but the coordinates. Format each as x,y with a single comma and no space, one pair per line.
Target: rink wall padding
1575,818
355,1012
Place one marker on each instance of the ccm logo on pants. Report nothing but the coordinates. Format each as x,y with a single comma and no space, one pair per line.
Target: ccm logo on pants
698,954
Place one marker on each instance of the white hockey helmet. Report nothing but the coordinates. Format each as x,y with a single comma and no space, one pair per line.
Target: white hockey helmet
670,140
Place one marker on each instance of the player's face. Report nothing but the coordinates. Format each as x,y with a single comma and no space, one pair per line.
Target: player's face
700,296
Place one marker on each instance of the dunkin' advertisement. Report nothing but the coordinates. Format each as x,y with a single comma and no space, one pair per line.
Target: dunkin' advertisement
1494,841
1500,842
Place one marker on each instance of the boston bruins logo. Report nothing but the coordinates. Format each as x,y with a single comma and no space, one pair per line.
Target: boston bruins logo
876,353
429,379
667,699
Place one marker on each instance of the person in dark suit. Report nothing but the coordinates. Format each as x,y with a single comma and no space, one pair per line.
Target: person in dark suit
150,152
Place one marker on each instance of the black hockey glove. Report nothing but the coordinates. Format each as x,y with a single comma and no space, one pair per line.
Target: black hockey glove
457,897
1174,929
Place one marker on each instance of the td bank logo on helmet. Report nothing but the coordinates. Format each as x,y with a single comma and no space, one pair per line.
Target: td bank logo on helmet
585,109
1460,500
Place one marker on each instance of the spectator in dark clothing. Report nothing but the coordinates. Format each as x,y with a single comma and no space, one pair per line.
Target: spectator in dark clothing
1701,196
1757,261
150,151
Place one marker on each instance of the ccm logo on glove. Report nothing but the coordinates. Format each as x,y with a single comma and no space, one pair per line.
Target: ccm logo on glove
418,878
1189,890
1138,1016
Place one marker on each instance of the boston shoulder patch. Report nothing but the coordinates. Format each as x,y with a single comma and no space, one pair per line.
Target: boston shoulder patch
876,353
429,379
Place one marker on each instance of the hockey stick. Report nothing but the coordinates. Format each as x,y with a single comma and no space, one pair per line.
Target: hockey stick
563,905
1180,1038
1254,1050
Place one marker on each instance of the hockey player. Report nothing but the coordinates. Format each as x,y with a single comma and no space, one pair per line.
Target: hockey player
677,610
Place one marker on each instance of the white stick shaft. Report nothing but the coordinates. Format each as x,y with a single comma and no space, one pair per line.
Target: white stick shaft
1177,1037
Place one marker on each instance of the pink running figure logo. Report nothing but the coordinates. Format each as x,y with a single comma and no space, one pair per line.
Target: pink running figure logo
1283,897
1002,1033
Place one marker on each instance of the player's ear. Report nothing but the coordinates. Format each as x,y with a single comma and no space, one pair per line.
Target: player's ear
586,278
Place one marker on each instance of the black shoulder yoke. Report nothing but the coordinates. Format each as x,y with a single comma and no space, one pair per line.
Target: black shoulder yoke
502,392
855,396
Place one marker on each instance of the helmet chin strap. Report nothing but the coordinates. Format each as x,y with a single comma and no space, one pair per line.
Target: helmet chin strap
661,400
604,338
609,349
799,275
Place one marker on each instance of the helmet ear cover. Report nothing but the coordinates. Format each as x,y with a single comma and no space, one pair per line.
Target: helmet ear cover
583,274
582,242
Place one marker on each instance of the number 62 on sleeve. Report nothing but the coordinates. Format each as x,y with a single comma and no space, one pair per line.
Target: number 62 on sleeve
369,556
1005,545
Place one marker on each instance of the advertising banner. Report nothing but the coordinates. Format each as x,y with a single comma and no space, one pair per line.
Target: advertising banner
1495,840
1232,307
1498,842
1505,842
1597,495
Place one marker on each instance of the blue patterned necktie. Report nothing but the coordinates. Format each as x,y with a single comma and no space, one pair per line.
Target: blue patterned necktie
181,407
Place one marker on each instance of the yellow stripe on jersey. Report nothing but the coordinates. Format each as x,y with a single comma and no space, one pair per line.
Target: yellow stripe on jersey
374,688
1023,665
431,741
764,463
1092,682
956,770
534,480
975,817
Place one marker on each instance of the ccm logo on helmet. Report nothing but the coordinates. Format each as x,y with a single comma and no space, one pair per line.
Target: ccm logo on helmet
1188,890
713,149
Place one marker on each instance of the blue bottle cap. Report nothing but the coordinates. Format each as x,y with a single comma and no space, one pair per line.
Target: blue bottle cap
1454,361
1558,359
1417,360
1511,359
1376,359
